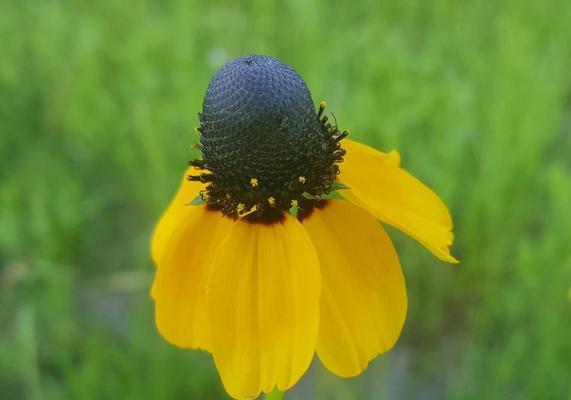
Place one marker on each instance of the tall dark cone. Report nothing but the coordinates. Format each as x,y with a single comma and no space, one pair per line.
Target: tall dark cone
261,138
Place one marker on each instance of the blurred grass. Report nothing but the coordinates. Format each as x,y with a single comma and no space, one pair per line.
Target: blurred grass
98,103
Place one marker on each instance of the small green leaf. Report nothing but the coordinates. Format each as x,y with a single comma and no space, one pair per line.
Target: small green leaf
196,201
338,186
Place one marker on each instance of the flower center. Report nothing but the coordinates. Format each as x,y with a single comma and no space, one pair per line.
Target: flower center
264,147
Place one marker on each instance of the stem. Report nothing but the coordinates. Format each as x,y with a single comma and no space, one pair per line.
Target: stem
274,395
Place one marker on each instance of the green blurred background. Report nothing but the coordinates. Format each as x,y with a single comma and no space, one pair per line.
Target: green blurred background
98,101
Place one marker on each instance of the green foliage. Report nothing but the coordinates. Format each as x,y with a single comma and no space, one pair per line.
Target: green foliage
98,103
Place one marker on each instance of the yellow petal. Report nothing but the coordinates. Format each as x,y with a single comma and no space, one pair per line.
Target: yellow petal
175,212
356,149
264,300
182,274
396,197
363,299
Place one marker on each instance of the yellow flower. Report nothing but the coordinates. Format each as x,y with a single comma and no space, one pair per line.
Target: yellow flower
263,292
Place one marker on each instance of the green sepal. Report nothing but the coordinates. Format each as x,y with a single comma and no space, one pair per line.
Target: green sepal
197,201
338,186
293,211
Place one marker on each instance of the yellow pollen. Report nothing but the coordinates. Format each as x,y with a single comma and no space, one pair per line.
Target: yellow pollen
240,207
228,196
197,130
271,201
302,179
254,182
250,211
204,194
253,209
323,104
294,203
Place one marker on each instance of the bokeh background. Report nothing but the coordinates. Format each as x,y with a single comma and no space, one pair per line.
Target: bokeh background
98,101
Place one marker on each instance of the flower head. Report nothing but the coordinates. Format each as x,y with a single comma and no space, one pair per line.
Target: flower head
262,144
267,268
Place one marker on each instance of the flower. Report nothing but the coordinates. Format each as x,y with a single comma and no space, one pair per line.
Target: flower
268,265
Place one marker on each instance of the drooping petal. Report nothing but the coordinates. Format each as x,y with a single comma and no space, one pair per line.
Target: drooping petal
363,301
175,212
396,197
183,269
264,300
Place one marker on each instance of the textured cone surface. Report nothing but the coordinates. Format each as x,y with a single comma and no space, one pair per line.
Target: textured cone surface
259,121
